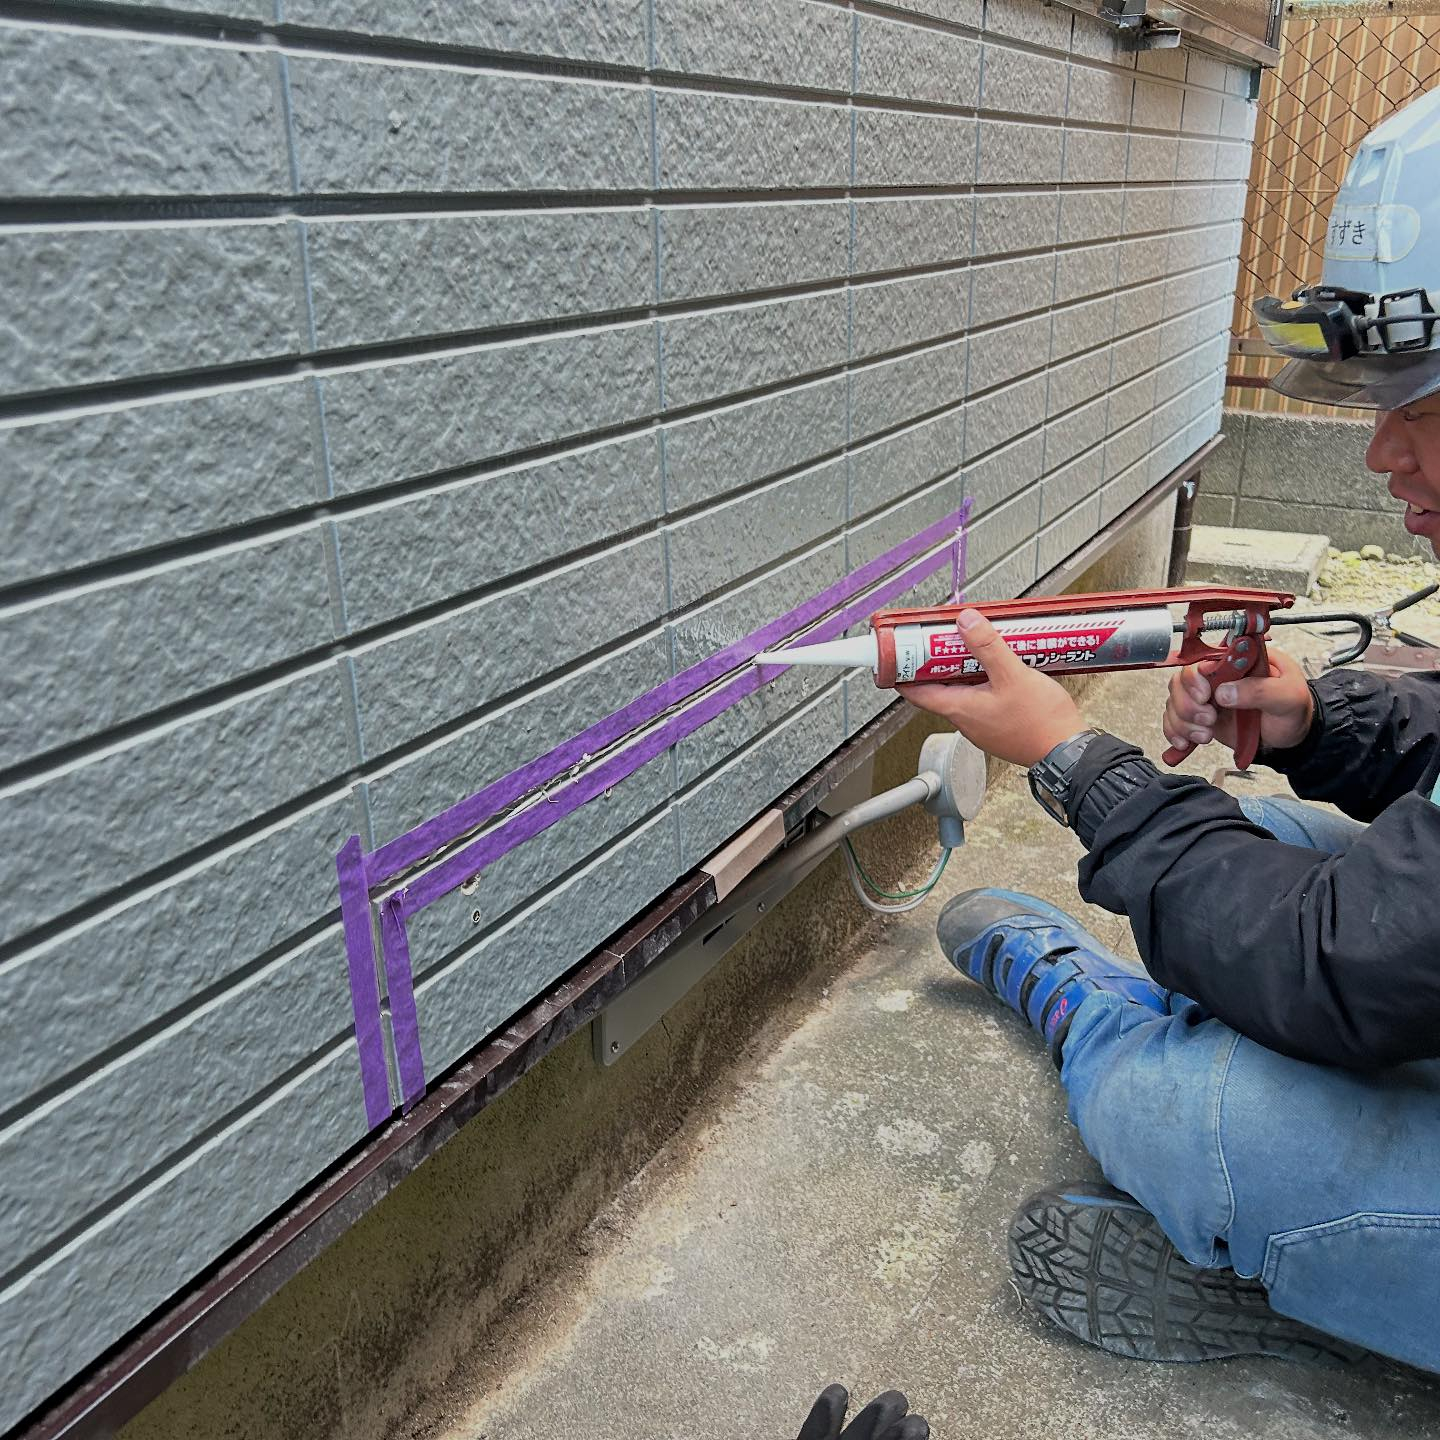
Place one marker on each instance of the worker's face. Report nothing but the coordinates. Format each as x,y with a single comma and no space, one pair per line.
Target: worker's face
1406,446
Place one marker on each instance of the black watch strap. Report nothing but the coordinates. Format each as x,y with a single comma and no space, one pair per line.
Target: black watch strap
1050,778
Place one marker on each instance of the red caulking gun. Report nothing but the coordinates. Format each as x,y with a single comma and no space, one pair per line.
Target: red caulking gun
1069,634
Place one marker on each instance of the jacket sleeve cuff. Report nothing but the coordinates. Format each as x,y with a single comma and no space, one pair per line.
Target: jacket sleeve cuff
1336,731
1108,772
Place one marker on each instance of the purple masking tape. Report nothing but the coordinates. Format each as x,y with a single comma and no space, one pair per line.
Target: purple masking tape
404,1023
409,849
364,986
450,874
418,844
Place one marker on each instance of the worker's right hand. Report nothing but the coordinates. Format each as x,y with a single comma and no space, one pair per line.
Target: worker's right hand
1197,712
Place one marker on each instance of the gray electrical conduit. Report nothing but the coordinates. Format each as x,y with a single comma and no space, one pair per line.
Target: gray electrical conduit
790,862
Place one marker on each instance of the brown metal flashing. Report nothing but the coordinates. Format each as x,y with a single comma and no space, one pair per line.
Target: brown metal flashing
144,1364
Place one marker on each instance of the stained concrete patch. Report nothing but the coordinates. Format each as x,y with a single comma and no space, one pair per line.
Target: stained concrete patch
895,1001
1263,559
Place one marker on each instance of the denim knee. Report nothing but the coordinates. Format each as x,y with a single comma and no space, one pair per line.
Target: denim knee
1293,822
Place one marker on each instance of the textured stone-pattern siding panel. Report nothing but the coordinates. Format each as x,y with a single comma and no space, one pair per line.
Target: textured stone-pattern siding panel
606,31
98,115
398,128
109,304
392,390
379,280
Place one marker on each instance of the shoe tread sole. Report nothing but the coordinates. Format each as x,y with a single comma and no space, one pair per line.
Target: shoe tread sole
1109,1276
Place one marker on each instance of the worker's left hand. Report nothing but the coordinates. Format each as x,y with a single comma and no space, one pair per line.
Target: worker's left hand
1017,713
884,1418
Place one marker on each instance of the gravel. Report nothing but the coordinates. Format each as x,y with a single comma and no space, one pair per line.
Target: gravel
1370,579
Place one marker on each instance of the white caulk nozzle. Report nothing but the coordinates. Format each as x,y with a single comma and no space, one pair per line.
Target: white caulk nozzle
857,652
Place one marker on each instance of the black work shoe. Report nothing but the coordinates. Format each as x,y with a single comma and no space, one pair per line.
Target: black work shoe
1092,1261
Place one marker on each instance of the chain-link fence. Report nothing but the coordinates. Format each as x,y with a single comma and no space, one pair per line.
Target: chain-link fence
1344,67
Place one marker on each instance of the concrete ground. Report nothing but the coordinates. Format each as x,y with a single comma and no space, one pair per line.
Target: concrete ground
842,1216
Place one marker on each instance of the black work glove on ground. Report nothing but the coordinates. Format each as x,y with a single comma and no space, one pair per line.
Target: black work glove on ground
884,1418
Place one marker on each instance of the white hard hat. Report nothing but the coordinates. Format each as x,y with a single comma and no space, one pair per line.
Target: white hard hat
1367,334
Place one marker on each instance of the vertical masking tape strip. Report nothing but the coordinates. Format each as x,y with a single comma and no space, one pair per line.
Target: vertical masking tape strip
823,617
364,983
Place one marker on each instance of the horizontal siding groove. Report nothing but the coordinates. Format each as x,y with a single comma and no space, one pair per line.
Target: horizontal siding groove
22,407
173,1161
102,212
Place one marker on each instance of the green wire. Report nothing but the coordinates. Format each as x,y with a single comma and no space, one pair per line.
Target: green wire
897,894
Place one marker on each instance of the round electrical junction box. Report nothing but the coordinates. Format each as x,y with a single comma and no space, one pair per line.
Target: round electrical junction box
961,768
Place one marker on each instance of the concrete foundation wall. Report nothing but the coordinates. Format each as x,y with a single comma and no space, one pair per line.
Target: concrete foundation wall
390,391
1301,473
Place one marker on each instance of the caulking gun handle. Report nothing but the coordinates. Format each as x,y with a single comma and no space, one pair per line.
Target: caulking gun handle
1253,657
1247,741
1246,658
1247,722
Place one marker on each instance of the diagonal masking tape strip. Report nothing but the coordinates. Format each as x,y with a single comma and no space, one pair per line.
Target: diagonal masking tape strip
526,824
416,845
405,851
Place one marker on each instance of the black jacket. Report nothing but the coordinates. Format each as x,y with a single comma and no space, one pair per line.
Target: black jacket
1330,958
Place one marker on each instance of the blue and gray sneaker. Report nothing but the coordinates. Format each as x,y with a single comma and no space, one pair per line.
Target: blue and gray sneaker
1036,959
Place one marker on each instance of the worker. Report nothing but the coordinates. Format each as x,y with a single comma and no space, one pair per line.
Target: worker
1264,1097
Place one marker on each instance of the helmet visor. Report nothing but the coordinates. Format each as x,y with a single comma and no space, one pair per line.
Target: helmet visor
1366,382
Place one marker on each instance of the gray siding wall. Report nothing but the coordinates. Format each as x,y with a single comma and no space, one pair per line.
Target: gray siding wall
389,390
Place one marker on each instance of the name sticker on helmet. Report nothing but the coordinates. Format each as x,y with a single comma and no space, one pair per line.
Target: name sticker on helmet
1371,232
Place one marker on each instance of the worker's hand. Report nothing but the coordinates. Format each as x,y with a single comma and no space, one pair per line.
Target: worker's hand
1195,716
884,1418
1017,713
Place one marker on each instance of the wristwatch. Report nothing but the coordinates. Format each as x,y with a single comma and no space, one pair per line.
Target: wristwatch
1050,778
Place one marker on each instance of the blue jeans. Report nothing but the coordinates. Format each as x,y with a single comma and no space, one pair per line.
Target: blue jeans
1323,1182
